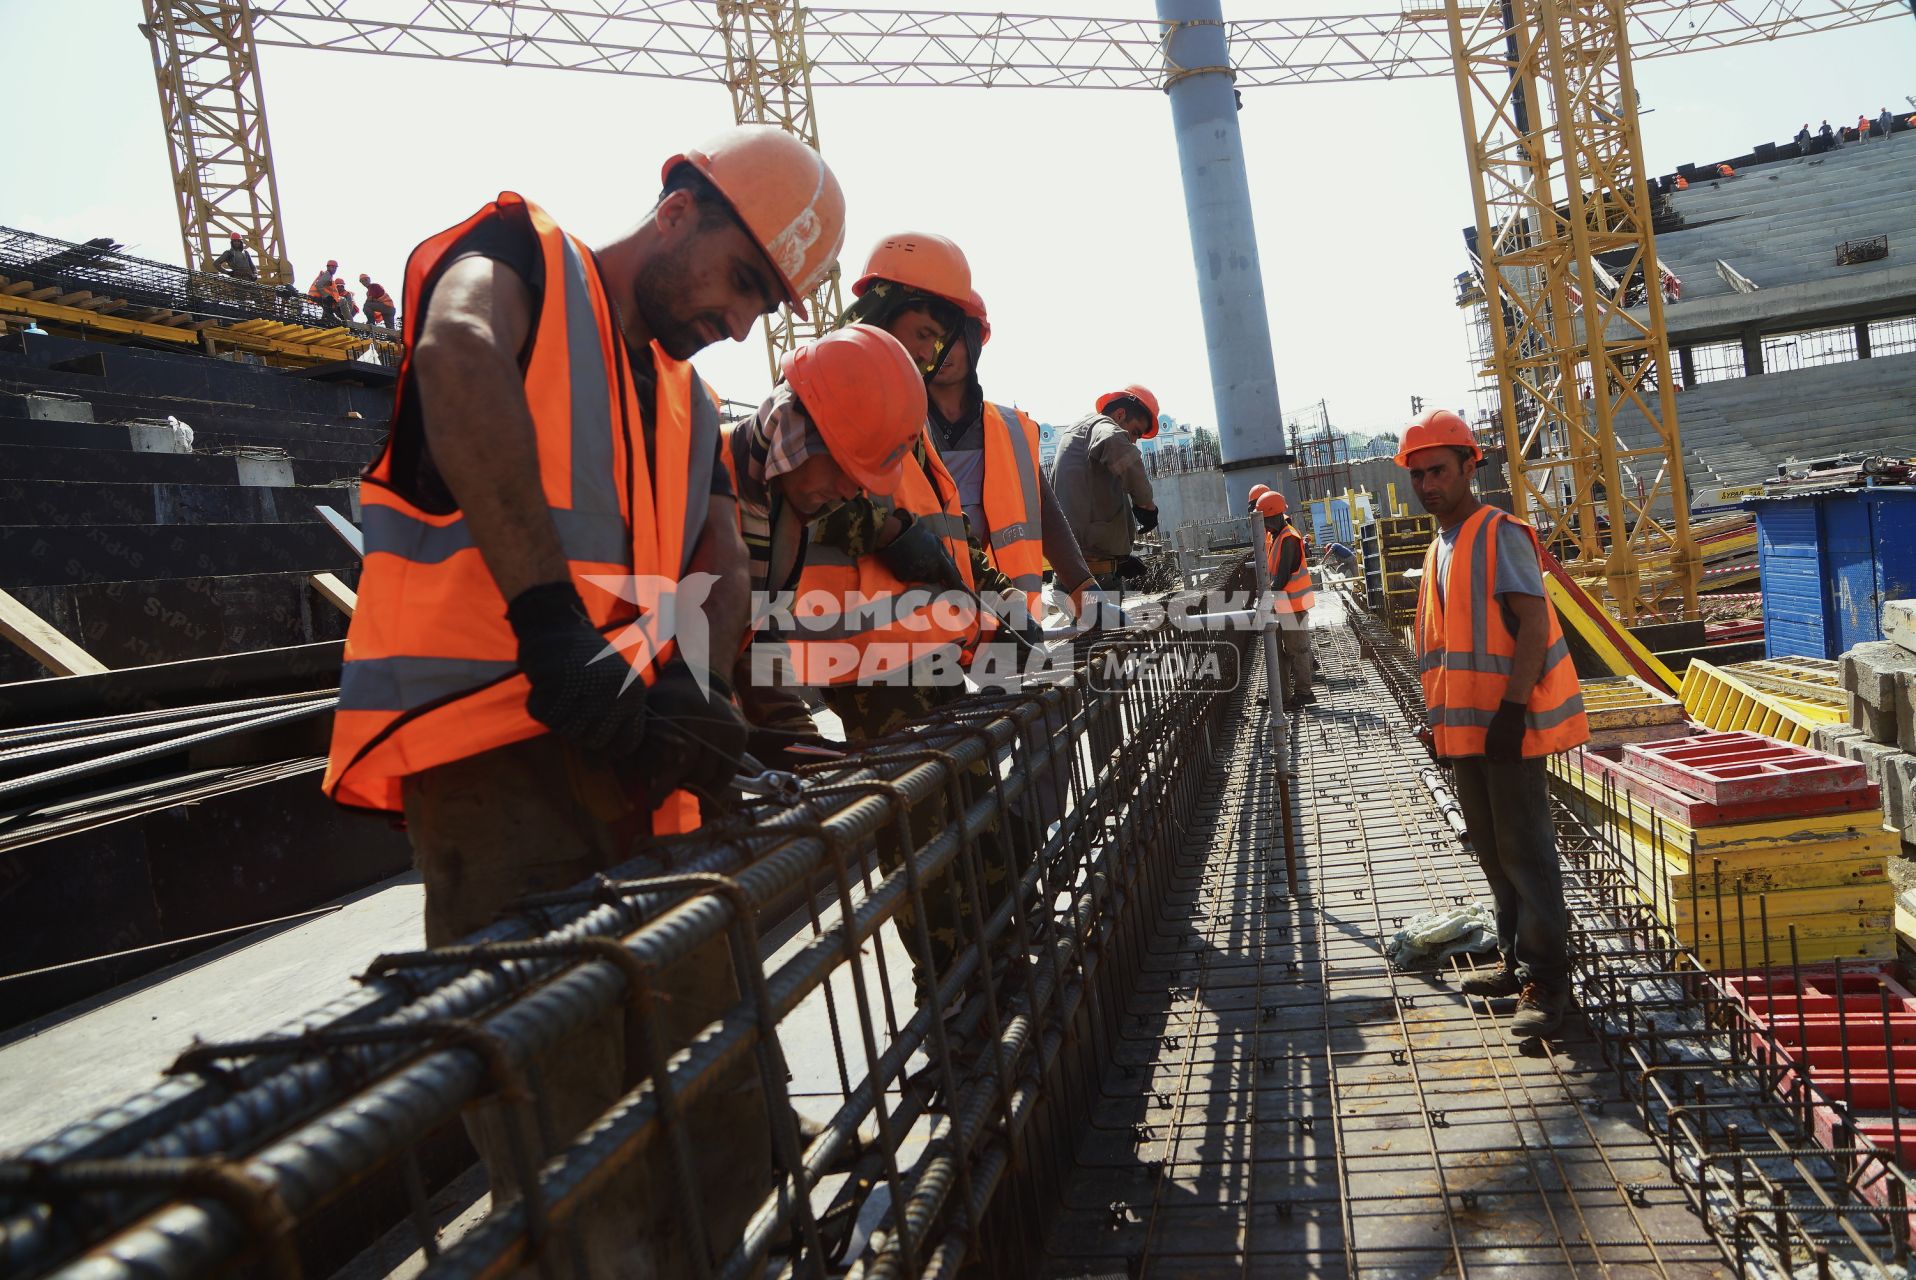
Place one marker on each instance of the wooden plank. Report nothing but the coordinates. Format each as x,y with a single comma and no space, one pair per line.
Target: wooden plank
341,596
34,635
47,294
15,288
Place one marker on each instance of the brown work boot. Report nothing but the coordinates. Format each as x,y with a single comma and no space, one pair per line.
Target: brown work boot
1539,1011
1497,984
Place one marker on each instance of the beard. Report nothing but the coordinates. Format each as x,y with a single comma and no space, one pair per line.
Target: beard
660,283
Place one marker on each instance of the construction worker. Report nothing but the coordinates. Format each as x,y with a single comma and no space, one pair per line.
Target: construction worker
552,456
344,308
841,429
839,425
920,284
1098,473
380,308
1502,694
1288,564
321,289
236,261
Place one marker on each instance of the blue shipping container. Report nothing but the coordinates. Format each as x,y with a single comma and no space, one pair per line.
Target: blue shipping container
1827,562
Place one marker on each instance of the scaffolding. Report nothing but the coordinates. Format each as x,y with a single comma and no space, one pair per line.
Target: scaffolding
1323,466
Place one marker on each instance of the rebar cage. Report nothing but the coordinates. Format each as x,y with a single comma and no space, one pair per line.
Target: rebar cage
930,1138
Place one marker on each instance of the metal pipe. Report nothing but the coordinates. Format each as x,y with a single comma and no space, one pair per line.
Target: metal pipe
1198,79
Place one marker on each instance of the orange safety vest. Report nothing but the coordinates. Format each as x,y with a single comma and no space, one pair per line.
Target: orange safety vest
431,672
842,605
1014,503
1465,650
1298,594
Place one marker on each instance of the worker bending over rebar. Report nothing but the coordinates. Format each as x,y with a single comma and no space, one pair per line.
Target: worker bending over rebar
551,474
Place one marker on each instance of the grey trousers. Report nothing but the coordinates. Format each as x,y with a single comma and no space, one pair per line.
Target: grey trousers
1506,808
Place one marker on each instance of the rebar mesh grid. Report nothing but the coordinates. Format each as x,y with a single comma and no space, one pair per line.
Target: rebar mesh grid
1779,1171
1283,1101
1096,777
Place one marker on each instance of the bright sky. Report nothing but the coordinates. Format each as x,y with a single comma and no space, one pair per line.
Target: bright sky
1067,203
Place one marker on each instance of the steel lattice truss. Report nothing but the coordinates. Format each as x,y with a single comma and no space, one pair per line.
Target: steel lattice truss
1564,237
683,39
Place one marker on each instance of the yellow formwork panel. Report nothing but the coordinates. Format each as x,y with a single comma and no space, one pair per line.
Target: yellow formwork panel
1797,873
1717,697
1814,684
1817,902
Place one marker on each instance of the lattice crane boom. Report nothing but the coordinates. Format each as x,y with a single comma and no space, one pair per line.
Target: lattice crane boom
684,39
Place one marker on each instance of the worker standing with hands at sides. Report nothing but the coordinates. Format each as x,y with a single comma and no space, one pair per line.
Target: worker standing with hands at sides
236,261
1098,473
1294,595
1502,695
552,455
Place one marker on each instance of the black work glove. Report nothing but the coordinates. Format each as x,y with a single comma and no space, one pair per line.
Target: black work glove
1503,740
1130,567
581,689
1147,518
916,555
693,739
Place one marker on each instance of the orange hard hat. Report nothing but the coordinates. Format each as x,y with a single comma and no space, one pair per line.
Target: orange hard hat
866,396
1271,503
1434,429
975,306
784,194
1141,395
922,261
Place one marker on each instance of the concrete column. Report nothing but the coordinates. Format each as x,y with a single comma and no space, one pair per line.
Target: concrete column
1217,204
1752,353
1686,364
1862,340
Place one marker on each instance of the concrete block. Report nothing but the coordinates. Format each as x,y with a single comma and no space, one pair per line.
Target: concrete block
1899,790
1870,671
1872,754
265,473
1899,623
156,437
1830,737
45,408
1905,712
1876,724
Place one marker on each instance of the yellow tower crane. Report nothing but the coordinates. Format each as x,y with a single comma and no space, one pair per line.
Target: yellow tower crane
1549,112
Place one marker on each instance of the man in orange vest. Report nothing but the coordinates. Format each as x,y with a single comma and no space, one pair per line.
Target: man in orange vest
1502,695
839,426
845,429
1295,596
552,475
920,286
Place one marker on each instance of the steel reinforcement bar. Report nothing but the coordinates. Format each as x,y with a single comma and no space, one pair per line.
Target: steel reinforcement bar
937,1124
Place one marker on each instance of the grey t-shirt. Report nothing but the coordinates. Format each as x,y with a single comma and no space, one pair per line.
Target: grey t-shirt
1518,571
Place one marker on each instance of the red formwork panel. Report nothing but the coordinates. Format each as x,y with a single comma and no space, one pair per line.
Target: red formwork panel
1694,813
1852,1054
1734,768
